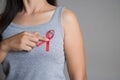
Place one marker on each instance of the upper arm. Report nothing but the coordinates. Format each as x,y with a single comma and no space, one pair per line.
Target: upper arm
73,44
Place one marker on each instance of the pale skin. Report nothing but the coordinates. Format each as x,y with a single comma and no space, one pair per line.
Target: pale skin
39,12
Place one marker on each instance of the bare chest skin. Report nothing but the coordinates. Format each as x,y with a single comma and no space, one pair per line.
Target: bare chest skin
41,17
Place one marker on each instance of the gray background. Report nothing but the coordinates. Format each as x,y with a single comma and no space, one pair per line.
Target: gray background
100,24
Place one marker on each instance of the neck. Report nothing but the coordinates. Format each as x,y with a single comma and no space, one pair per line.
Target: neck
34,6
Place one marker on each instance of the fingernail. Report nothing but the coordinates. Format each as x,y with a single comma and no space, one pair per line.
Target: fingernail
47,39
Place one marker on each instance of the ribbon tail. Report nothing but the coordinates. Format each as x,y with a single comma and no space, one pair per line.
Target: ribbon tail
47,45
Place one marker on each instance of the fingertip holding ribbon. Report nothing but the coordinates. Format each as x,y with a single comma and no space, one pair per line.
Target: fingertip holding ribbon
49,35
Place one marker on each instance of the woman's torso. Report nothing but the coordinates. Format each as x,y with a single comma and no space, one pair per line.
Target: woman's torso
37,64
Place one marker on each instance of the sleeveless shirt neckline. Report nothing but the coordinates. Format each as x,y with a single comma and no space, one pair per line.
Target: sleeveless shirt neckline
35,25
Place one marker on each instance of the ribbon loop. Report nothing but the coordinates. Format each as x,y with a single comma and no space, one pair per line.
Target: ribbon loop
49,35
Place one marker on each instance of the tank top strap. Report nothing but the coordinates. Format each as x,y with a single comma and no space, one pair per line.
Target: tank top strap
60,14
57,13
57,19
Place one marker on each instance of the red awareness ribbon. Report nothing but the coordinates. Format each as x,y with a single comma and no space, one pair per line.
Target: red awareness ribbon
49,35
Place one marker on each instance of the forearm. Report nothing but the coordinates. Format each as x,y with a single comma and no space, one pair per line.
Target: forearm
3,52
2,55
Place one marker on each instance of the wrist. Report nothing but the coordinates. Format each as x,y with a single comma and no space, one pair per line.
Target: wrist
4,47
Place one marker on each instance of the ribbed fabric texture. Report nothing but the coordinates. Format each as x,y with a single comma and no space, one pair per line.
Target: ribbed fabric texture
37,64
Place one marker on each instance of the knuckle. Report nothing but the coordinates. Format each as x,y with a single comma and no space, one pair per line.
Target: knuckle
36,39
29,49
24,32
34,45
21,41
23,35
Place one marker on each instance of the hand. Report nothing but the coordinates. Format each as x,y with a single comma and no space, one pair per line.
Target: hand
24,41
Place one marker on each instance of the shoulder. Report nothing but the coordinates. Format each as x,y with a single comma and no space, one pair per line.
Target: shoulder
69,19
68,14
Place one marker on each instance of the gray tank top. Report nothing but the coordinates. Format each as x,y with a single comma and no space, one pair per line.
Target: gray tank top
37,64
